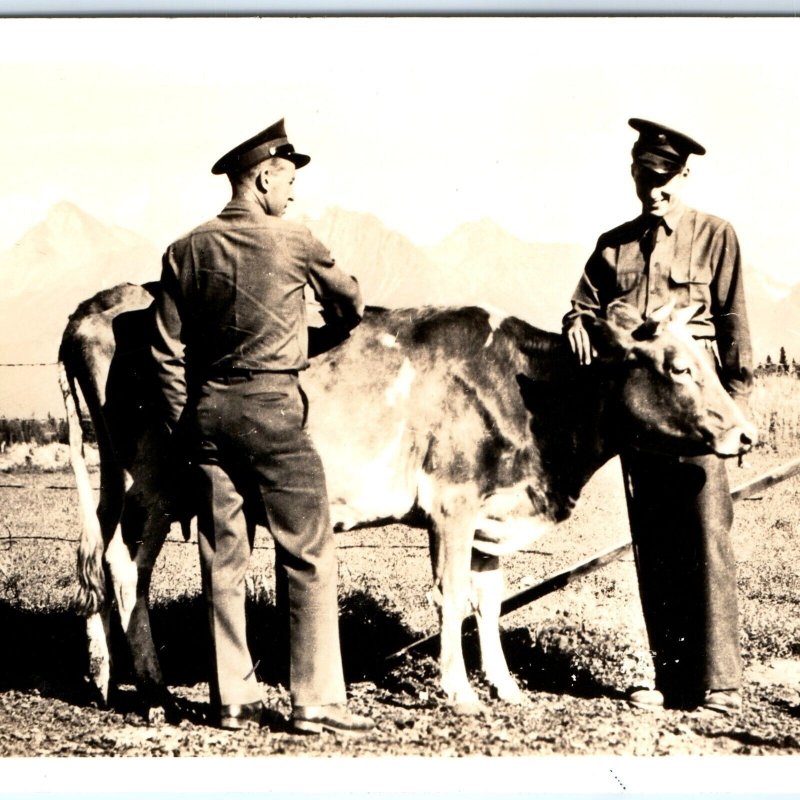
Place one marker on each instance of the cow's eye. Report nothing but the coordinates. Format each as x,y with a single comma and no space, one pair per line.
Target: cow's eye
678,369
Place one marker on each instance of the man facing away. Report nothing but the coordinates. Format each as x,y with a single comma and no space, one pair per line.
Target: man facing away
229,340
680,508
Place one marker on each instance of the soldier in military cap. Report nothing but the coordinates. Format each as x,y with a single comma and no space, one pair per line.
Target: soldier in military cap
680,509
229,341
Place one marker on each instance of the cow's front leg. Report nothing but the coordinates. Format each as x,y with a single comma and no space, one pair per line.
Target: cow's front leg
487,595
451,546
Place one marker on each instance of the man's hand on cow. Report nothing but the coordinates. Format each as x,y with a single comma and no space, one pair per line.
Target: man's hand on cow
579,342
742,399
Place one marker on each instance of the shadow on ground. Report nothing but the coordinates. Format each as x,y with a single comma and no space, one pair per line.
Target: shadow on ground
46,651
554,662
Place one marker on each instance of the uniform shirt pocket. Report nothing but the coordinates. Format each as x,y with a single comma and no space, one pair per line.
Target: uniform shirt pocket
627,281
689,283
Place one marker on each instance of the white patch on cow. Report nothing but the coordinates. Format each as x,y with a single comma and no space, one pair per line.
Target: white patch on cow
387,340
124,577
496,315
379,489
496,318
99,657
400,388
506,523
503,537
682,332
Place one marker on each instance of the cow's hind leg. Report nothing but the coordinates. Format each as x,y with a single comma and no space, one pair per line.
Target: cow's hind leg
487,595
97,527
97,637
451,545
93,597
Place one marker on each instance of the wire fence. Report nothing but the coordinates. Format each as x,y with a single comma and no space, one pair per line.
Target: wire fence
32,364
270,546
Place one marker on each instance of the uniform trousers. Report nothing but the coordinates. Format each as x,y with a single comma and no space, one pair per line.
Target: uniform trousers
254,448
680,512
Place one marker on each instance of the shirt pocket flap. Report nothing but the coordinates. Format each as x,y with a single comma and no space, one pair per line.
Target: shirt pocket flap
628,280
683,272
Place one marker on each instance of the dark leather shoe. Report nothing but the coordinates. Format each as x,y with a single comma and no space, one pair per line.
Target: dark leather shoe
723,701
335,718
234,718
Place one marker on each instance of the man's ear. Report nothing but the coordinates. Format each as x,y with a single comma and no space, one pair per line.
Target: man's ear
262,180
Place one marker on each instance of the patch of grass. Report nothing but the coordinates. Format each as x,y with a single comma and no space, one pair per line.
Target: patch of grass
775,409
565,657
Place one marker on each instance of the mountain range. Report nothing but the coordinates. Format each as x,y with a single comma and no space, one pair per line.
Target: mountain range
70,255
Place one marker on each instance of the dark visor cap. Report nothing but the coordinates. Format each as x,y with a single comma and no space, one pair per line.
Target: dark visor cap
272,142
661,149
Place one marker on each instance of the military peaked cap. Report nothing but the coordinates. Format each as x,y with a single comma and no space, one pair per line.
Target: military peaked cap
661,149
272,142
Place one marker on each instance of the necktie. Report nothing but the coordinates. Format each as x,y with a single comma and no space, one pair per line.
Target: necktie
651,277
650,238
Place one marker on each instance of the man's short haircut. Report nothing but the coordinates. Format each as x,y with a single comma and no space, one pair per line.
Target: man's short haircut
249,175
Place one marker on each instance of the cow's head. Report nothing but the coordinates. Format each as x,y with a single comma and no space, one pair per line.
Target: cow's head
671,397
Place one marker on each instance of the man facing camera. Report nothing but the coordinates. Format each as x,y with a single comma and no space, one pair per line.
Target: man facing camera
680,508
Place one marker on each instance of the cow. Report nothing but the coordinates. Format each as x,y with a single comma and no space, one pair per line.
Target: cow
473,424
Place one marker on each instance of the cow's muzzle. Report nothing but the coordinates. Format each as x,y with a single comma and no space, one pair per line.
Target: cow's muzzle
737,441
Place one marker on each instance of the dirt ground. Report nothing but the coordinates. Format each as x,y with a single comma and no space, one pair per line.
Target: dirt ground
574,652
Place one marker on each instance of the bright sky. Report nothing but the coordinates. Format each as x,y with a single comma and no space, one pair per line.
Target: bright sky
425,123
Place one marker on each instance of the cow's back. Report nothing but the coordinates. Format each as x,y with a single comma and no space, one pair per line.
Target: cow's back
416,395
411,396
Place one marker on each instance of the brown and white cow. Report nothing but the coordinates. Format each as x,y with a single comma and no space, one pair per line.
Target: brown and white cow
479,426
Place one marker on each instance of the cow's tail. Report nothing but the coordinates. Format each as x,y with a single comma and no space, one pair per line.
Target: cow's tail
91,593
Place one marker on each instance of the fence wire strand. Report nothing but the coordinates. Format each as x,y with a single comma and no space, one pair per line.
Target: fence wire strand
32,364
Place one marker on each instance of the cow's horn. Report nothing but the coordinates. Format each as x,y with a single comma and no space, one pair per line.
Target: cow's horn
684,315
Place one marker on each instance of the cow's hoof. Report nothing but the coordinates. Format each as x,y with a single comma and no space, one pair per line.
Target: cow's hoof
508,692
469,708
96,695
466,704
156,715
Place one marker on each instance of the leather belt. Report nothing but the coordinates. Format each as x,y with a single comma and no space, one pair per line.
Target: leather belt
242,374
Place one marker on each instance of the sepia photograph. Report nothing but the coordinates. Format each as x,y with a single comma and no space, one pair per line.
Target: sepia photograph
424,389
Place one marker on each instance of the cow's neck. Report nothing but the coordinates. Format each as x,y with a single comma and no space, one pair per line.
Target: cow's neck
572,422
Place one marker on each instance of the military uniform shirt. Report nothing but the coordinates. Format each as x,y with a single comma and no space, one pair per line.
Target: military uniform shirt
233,298
686,255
